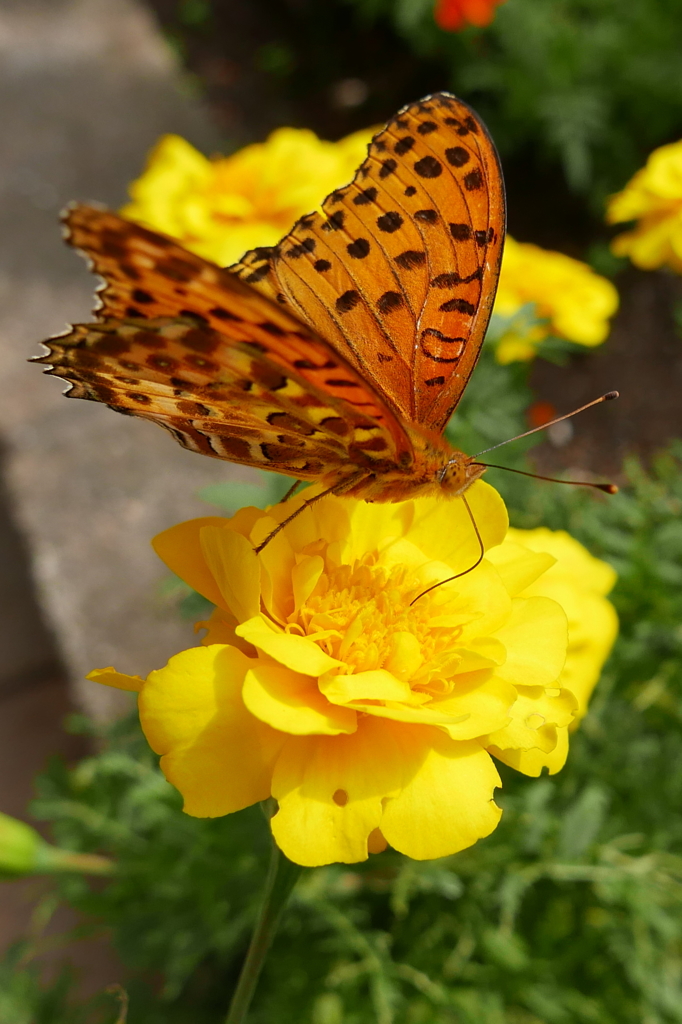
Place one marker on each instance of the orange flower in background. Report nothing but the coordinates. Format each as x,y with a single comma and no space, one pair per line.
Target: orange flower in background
453,15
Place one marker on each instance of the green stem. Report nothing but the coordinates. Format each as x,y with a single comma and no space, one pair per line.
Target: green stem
279,883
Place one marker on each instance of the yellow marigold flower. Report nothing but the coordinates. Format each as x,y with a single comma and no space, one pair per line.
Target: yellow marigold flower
221,207
653,197
573,301
368,718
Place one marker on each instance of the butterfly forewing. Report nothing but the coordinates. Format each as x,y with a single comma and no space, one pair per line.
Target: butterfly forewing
399,270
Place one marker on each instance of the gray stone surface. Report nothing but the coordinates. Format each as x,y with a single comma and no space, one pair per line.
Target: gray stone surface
86,87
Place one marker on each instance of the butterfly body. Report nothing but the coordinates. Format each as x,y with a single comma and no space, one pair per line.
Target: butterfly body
437,471
336,356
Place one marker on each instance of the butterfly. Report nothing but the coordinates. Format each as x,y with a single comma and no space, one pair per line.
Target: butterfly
337,355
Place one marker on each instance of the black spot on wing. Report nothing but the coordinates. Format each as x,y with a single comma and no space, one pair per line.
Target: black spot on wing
429,167
457,156
458,306
368,195
334,222
473,180
390,222
451,279
426,216
347,301
411,259
460,232
358,249
426,343
223,314
403,145
390,301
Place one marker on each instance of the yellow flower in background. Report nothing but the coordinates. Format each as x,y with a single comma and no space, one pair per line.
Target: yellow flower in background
221,207
653,198
369,719
573,301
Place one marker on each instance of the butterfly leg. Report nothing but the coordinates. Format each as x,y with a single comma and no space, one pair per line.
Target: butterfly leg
290,493
337,488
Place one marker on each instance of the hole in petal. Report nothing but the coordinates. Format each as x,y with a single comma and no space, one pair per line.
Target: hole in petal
340,798
535,721
376,842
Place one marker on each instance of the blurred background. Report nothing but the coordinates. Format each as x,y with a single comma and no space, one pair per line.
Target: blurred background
576,93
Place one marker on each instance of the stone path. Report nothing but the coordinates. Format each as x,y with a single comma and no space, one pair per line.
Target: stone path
86,87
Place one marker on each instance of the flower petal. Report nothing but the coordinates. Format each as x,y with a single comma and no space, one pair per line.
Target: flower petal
330,791
180,549
534,718
443,529
536,638
531,762
293,703
235,567
304,578
447,803
376,684
518,567
484,700
213,749
110,677
296,652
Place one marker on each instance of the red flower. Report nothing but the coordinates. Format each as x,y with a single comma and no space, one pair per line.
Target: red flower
453,15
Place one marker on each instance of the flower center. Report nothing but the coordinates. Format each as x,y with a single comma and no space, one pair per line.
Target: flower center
360,614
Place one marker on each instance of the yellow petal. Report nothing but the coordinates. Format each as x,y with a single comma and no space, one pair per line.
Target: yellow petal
531,762
483,701
481,601
213,749
536,638
330,791
518,567
277,561
110,677
293,703
235,567
405,655
376,684
304,578
443,531
534,718
180,548
416,713
447,804
296,652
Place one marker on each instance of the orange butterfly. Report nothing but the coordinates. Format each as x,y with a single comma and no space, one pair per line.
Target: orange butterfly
337,355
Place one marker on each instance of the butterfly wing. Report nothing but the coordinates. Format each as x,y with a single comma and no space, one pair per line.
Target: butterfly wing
228,372
400,269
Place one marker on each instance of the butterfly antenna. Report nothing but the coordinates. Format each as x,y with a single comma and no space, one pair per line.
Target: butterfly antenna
608,397
466,571
606,488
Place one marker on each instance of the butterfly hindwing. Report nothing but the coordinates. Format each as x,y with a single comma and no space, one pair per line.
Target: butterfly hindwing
226,370
399,270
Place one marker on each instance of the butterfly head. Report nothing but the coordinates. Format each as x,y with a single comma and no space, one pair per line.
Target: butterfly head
459,473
